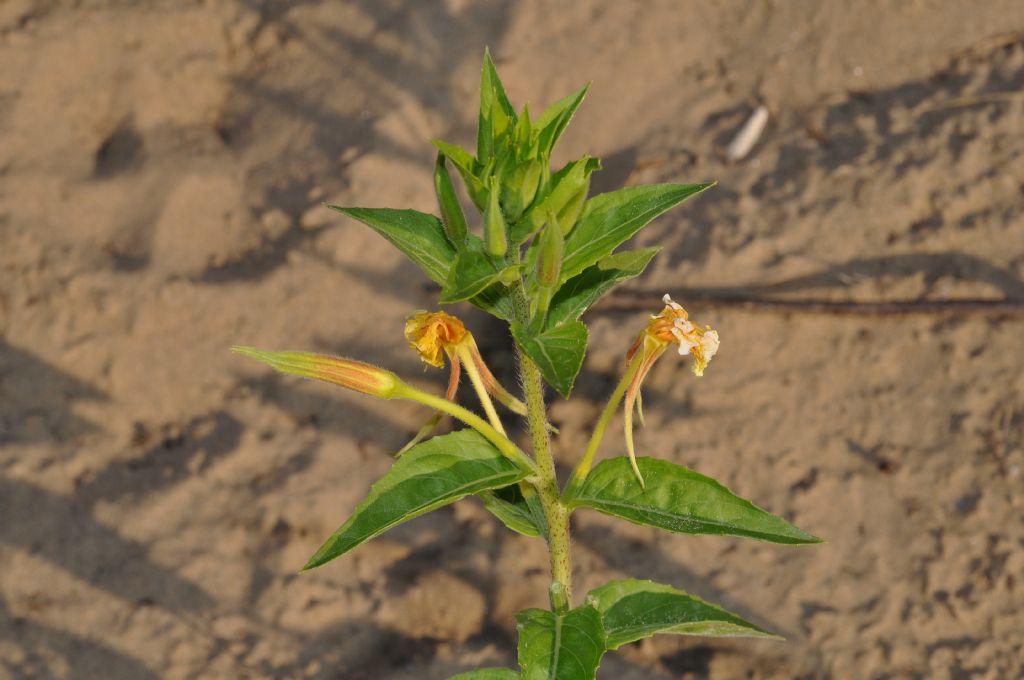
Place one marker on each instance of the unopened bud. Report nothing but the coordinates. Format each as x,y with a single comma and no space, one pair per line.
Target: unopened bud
570,213
355,375
452,217
494,223
530,182
549,255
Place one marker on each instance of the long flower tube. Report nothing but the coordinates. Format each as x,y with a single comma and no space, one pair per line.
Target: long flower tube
435,335
384,384
671,326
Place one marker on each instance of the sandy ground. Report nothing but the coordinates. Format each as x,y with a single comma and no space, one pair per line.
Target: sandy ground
161,166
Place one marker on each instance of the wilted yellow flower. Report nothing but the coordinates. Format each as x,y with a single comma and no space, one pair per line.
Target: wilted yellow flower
430,333
672,325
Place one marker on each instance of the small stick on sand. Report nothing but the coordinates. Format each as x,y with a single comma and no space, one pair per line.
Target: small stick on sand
748,135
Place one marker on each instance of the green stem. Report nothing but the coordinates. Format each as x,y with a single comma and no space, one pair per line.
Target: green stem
556,514
583,467
500,441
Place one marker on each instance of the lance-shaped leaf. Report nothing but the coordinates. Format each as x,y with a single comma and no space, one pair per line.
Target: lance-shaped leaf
631,610
560,646
581,291
556,117
419,235
680,500
430,475
496,112
612,218
487,674
515,511
471,273
558,352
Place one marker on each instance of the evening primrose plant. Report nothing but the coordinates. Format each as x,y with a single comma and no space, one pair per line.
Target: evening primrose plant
545,253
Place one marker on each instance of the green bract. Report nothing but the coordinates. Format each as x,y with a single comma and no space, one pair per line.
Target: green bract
544,253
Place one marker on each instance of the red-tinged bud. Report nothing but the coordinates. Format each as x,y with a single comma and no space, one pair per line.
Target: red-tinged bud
355,375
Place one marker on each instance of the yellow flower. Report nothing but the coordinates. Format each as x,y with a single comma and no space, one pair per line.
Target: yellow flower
672,325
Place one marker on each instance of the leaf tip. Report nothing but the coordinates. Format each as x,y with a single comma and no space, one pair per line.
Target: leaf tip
339,208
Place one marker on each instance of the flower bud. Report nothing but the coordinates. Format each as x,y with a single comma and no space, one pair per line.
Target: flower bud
494,224
530,182
571,211
355,375
452,217
549,254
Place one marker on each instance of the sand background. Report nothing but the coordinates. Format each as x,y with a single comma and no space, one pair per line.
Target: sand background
161,169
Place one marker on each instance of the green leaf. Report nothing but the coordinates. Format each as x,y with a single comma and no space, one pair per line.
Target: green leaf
456,154
612,218
560,646
583,290
487,674
631,610
430,475
554,120
558,352
495,110
419,235
680,500
467,167
472,272
516,512
497,300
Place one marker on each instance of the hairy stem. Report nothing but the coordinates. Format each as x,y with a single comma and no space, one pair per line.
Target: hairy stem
556,514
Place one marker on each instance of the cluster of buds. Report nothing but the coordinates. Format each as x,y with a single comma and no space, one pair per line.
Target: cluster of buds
509,178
